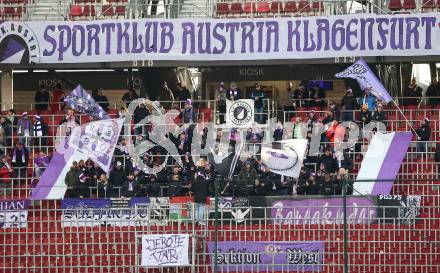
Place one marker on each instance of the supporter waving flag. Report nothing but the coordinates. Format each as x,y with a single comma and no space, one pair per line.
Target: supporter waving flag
366,79
83,102
94,140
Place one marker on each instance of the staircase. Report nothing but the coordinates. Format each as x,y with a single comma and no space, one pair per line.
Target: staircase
49,10
195,8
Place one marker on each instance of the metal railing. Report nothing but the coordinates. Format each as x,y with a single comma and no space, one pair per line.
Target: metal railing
369,234
172,9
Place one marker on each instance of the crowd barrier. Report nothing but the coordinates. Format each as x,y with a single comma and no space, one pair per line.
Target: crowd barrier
399,232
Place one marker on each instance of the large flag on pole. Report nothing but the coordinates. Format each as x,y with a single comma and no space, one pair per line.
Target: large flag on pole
366,79
95,140
286,161
81,101
381,163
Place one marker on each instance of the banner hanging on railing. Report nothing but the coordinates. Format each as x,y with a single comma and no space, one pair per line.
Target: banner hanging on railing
162,250
322,211
13,213
98,212
241,256
203,39
399,209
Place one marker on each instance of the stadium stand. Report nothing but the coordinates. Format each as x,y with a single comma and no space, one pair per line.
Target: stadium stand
99,226
53,241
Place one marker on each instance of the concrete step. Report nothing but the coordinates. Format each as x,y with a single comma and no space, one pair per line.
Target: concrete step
47,19
185,11
48,10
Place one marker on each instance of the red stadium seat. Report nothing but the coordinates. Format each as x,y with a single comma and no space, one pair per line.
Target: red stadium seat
263,7
108,10
20,11
318,6
276,7
290,7
9,11
120,10
395,5
222,8
89,10
76,11
304,6
409,4
236,8
249,7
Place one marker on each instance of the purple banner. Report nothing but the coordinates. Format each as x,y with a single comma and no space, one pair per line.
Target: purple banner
96,212
240,256
100,202
360,210
6,205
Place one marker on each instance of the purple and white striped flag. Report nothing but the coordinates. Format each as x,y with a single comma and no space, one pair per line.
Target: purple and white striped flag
95,140
83,102
366,79
381,163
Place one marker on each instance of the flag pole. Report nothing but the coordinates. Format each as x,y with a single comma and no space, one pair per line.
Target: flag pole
407,121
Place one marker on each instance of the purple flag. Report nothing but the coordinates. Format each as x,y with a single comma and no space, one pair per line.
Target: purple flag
366,79
95,140
247,256
82,102
381,163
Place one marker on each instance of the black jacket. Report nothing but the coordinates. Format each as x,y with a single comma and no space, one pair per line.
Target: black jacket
127,99
349,103
328,188
126,192
102,101
174,188
139,114
378,116
311,188
105,191
182,95
330,163
437,154
365,116
42,98
424,132
200,188
117,177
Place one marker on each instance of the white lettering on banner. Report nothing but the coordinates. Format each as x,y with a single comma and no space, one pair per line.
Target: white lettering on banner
165,250
13,213
146,40
321,215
